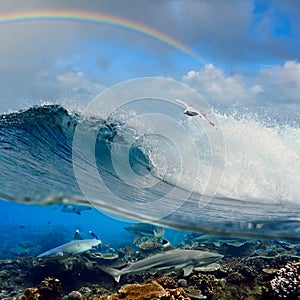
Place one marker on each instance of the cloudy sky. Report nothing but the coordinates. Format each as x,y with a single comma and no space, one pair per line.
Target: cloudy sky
244,51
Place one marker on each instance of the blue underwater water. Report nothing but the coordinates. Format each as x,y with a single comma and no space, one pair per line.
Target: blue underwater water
40,172
30,230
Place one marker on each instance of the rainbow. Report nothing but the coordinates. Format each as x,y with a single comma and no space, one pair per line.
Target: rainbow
97,18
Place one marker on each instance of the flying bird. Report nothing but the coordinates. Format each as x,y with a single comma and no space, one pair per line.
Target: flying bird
192,112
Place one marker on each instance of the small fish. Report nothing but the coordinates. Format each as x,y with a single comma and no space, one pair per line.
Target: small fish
76,209
192,112
148,245
74,247
212,238
151,245
169,260
109,256
145,229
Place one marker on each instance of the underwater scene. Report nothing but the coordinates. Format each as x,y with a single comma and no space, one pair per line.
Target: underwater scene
149,150
59,244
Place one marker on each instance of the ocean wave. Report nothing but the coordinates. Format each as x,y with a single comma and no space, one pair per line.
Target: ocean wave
142,176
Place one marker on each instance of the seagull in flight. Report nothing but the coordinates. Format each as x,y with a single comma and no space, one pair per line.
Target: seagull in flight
192,112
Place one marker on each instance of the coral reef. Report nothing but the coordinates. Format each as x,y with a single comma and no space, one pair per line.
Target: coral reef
94,292
286,285
203,282
256,276
148,291
48,289
167,282
74,295
175,294
142,291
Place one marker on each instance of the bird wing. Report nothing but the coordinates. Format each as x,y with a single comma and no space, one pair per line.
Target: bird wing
183,103
190,108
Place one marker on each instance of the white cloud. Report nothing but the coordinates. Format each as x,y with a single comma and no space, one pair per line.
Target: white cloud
257,88
289,73
281,83
228,33
218,88
74,85
276,84
67,86
76,81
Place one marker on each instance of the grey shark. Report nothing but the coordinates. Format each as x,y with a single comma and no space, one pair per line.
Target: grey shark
145,229
76,209
72,248
169,260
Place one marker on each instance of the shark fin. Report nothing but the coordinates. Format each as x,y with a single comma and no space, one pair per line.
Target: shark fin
93,235
77,235
136,238
158,233
115,273
188,270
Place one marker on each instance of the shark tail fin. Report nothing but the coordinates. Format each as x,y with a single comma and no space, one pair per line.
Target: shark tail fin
158,233
115,273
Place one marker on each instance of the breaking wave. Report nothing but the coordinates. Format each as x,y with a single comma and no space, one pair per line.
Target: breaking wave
258,195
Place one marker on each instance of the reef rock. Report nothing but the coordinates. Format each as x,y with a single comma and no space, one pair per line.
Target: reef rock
167,282
204,282
74,295
49,289
286,285
175,294
145,291
148,291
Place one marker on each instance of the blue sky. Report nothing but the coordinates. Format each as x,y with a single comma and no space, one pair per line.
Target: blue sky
249,51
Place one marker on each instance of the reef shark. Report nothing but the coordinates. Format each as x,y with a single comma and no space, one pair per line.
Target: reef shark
77,246
76,209
175,259
145,229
